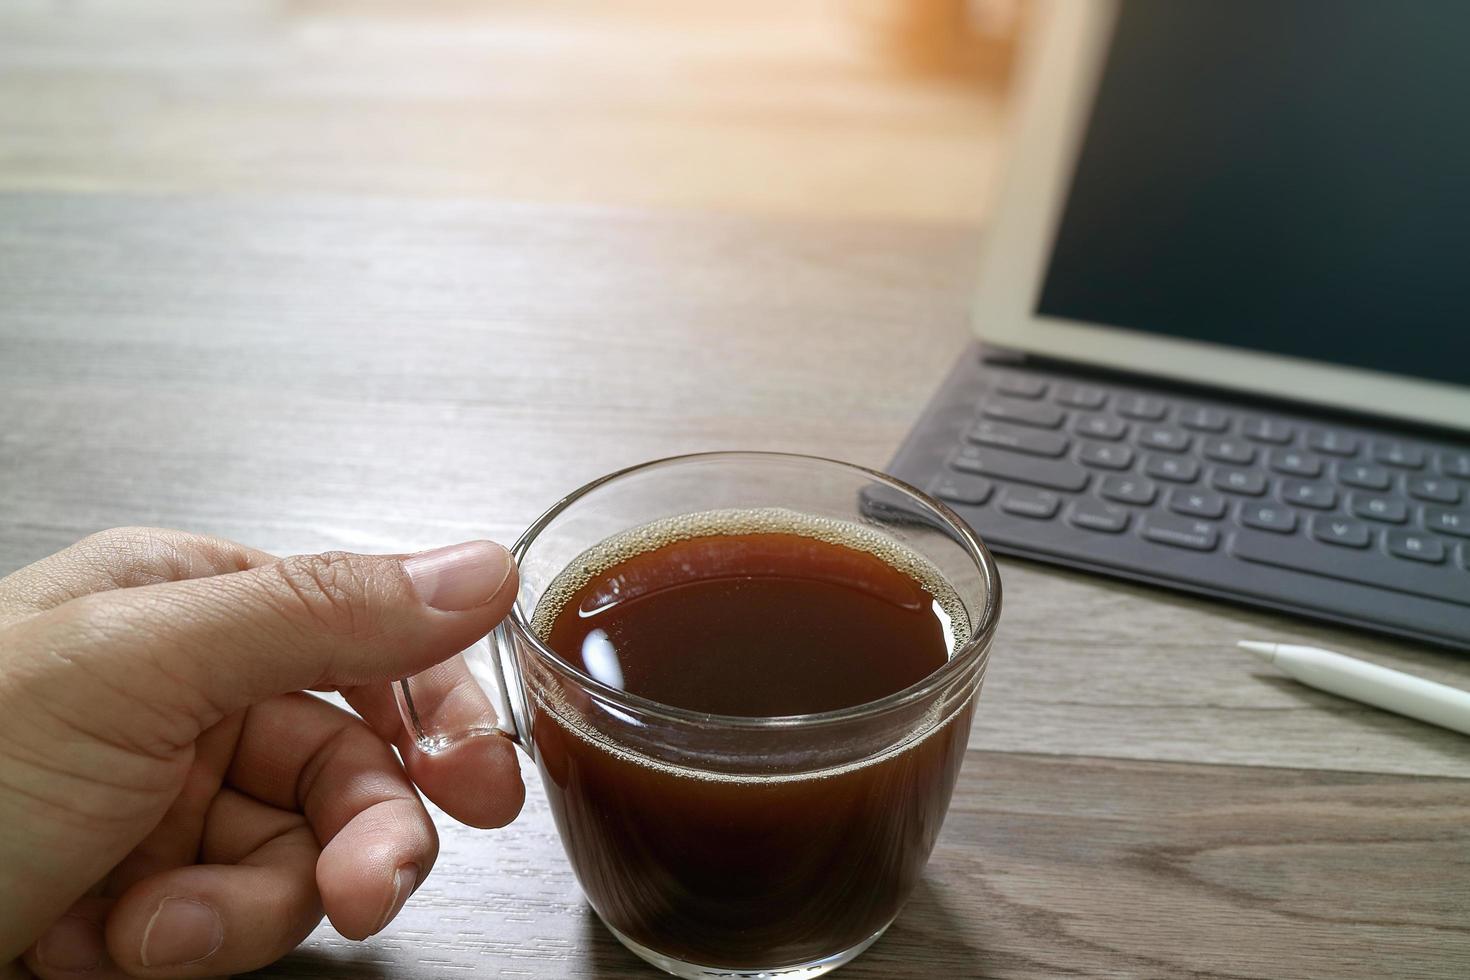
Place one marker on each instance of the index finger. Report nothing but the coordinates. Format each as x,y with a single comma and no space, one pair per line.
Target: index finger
476,779
120,558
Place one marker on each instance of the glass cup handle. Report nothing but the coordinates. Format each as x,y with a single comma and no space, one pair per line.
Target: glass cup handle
470,695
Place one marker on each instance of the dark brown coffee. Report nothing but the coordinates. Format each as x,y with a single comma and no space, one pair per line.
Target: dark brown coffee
745,872
755,625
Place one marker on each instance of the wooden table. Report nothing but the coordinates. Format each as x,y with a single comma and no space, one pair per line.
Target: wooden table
309,373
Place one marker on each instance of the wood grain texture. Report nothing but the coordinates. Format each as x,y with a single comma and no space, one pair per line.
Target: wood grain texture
778,106
310,373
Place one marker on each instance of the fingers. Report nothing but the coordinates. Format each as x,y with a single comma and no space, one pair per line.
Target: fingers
175,840
120,558
201,649
212,920
198,921
477,778
264,876
299,752
75,945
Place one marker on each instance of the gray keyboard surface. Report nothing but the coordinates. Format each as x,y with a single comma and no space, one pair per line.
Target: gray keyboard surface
1355,523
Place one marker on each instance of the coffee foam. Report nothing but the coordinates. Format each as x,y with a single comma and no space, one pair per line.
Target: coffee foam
635,541
766,520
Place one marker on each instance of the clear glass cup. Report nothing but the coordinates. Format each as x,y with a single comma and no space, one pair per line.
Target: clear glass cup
725,846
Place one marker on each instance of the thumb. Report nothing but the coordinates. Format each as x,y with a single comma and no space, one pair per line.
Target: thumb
208,647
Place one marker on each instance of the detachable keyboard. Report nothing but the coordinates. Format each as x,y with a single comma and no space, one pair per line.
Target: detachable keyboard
1356,523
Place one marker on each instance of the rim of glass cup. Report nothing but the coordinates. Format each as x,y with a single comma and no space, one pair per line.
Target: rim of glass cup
973,648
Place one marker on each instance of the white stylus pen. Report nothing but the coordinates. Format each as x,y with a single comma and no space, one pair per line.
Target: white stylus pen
1391,690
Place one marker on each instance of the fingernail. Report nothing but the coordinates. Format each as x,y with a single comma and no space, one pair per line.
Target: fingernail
182,931
461,576
71,945
404,880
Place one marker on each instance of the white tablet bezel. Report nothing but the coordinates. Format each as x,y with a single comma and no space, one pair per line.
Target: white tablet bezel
1059,76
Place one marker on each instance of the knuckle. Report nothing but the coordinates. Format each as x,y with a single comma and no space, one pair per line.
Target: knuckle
133,556
331,592
124,539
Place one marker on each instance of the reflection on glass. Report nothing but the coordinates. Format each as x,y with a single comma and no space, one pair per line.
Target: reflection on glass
601,659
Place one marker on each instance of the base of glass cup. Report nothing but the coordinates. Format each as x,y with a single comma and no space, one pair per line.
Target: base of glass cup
797,971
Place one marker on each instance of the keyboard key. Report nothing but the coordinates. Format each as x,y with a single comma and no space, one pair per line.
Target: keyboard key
1294,463
1434,490
1340,531
1100,427
1455,464
1180,532
1105,456
1398,454
1021,385
1030,503
1041,415
1094,515
1228,450
1142,407
1248,482
1456,522
1170,440
1175,469
1202,419
1390,510
1318,496
1268,517
1415,547
970,490
1080,396
1364,475
1305,555
1037,442
1197,503
1332,443
1269,430
1128,490
1054,474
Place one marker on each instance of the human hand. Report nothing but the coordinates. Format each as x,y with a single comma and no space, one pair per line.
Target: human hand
169,807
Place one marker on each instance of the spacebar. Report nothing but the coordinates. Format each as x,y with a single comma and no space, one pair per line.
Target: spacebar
1054,474
1363,567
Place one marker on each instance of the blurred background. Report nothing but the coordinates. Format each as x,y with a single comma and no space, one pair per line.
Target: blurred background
851,108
